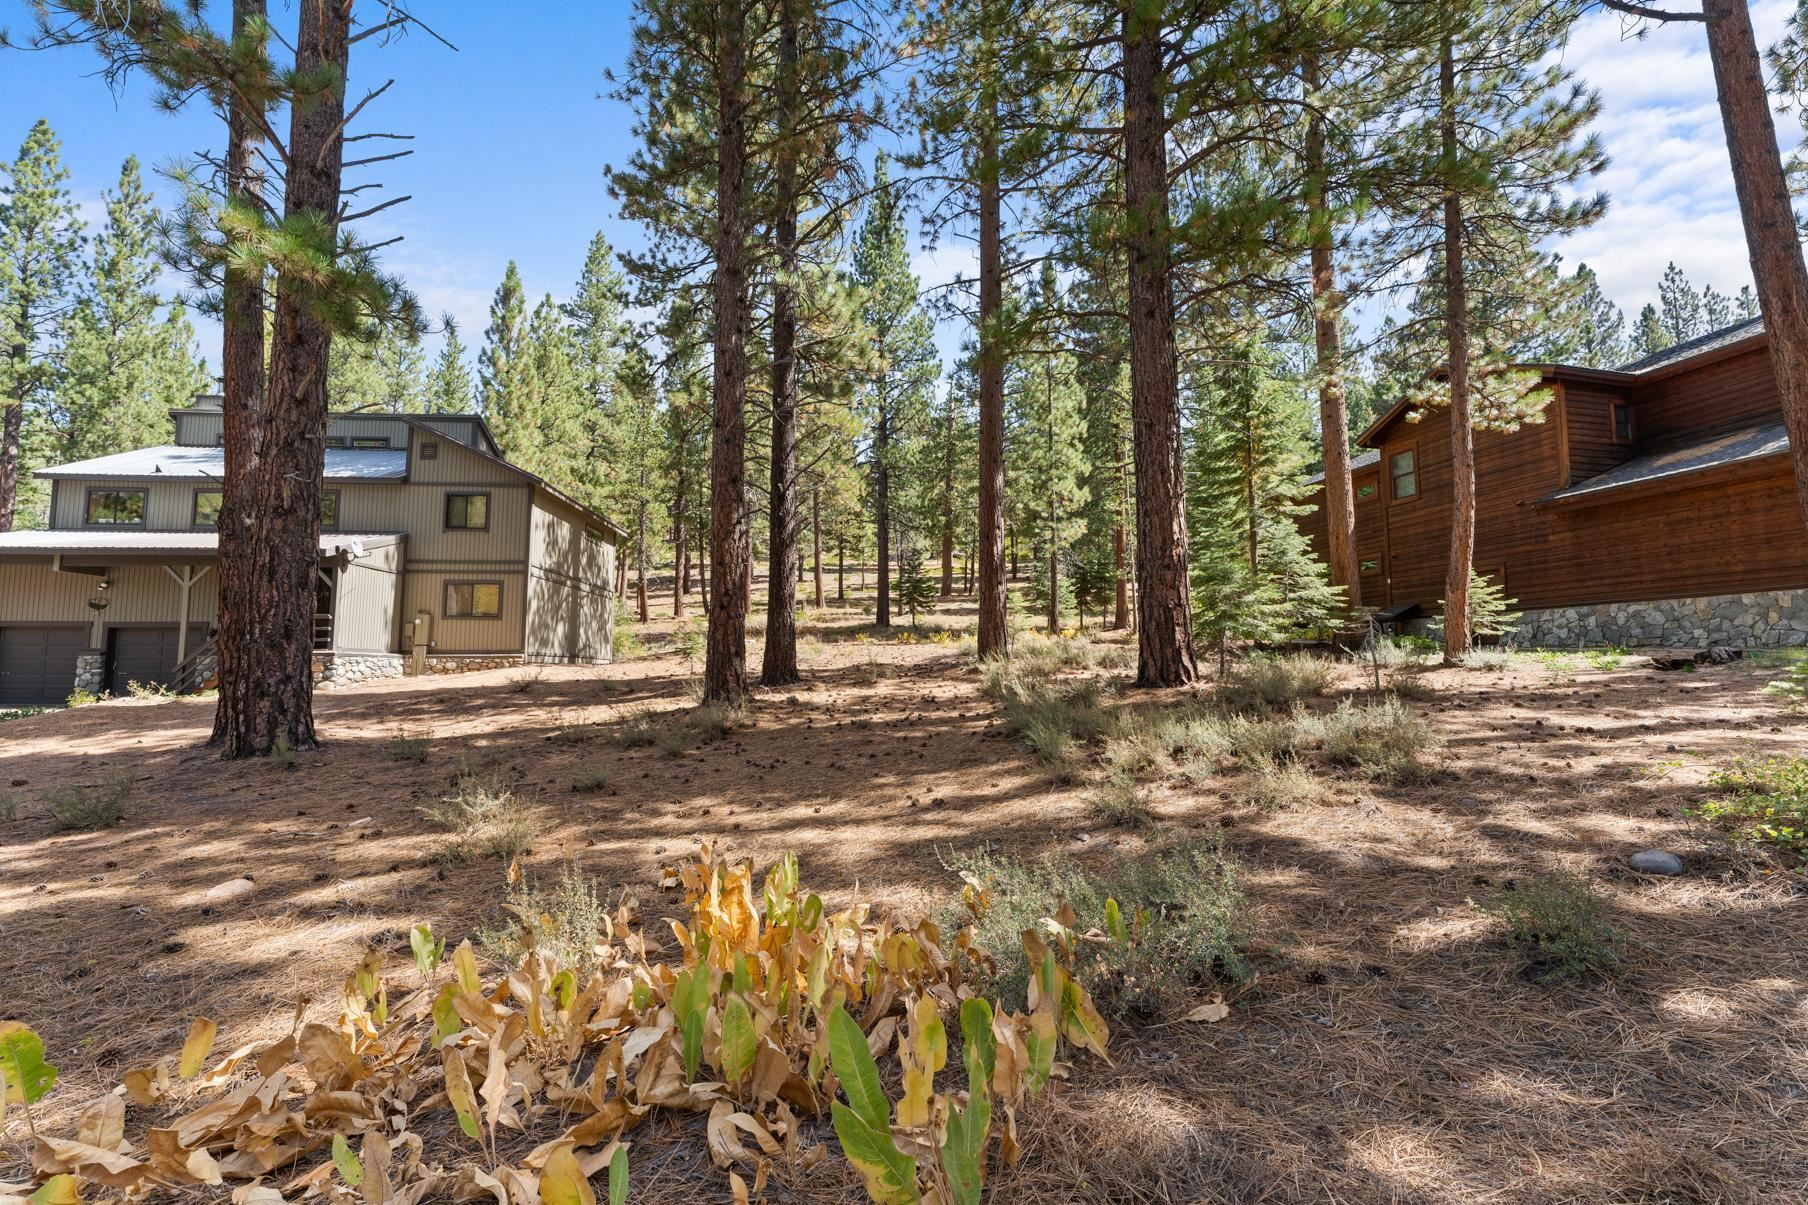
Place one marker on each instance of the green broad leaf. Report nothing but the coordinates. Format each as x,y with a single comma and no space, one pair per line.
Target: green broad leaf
981,1044
618,1177
427,949
1040,1041
1114,922
690,1002
27,1076
811,916
564,989
964,1150
858,1073
641,995
738,1047
350,1170
743,973
446,1020
58,1190
890,1174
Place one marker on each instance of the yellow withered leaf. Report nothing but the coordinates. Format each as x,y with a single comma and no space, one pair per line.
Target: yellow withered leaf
562,1181
103,1123
1211,1012
196,1049
459,1094
464,967
58,1190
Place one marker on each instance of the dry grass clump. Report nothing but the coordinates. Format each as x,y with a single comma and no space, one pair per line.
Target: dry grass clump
89,808
1041,655
1384,739
1398,652
1055,721
592,778
1120,799
1275,784
567,920
485,819
1276,683
640,730
403,747
1559,924
1178,919
1493,657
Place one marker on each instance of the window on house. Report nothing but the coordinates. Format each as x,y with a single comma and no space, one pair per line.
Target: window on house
329,509
473,600
1365,490
335,441
370,441
116,508
429,451
1403,467
207,509
469,511
1622,423
593,535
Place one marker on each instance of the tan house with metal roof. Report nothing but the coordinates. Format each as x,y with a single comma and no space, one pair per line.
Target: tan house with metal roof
436,554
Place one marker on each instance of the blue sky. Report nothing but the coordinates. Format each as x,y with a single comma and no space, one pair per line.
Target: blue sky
512,133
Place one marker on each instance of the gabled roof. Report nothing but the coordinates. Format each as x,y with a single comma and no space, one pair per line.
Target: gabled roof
620,532
1742,447
1701,345
1357,463
209,464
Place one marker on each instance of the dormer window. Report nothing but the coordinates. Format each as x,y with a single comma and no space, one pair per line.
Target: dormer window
1622,423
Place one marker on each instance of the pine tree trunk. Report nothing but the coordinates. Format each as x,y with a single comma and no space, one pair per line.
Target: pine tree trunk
681,555
994,628
1462,435
778,665
1120,541
1054,551
730,552
841,571
1771,241
816,542
241,414
1164,621
12,433
272,698
640,545
947,515
882,516
1327,333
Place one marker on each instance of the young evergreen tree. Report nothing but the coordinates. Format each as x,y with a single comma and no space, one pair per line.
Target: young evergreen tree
497,363
894,397
40,254
1254,574
914,589
1649,335
383,368
1716,309
124,366
450,389
1745,306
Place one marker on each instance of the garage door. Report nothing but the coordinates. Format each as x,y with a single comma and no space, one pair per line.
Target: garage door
37,665
146,656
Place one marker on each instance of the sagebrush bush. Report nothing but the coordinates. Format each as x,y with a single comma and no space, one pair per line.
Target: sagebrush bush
149,690
1559,924
592,778
485,819
89,808
1384,739
1397,652
1276,683
1184,911
1120,799
567,920
640,730
1054,721
1494,657
1276,785
408,748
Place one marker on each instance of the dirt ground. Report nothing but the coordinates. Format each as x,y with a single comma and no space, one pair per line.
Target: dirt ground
1389,1050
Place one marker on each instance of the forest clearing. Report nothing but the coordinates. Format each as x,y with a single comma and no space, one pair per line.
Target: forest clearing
1386,1043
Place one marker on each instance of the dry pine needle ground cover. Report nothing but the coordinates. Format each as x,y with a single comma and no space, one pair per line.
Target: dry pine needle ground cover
1390,1048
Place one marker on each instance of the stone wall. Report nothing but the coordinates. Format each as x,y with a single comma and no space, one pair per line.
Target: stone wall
90,672
345,669
1766,619
472,663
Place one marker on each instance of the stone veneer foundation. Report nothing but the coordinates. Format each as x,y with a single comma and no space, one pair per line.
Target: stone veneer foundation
345,669
90,672
1764,619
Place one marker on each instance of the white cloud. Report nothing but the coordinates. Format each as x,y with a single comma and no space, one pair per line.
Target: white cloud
1670,184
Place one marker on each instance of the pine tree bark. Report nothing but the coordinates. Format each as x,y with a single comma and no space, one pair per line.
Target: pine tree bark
681,553
1164,634
640,547
1778,272
242,410
12,439
816,542
1327,334
882,515
273,700
994,629
1456,333
778,666
947,515
1120,544
730,549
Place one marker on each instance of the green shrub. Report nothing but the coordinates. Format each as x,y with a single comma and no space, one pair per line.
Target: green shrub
89,809
566,921
1792,687
592,778
149,690
688,641
1494,658
1183,911
1053,722
1767,802
282,756
403,747
1120,799
20,713
485,819
1277,683
1383,739
641,729
81,698
1559,924
1276,785
628,642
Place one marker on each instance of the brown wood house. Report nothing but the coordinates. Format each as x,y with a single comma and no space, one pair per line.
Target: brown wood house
1654,504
